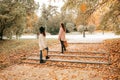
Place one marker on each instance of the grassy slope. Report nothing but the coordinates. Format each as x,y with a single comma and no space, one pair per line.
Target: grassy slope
11,51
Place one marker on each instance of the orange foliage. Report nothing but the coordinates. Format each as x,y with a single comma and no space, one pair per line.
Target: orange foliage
31,19
83,7
113,44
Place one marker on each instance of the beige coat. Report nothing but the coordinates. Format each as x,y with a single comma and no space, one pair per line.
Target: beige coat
61,35
42,42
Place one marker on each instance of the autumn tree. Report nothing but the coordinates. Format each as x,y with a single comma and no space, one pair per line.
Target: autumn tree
83,9
32,19
49,19
47,13
13,16
111,20
70,27
96,12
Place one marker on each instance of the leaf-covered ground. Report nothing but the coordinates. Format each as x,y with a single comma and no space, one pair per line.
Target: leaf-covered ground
42,72
12,51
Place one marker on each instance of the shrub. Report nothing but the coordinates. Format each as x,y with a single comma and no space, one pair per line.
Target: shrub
91,29
70,27
113,44
80,28
53,30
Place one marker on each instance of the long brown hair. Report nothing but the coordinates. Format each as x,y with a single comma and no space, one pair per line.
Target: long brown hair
63,26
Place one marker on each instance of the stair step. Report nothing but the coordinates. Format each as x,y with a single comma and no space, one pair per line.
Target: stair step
74,57
75,54
78,58
77,61
66,64
81,56
71,61
96,52
71,55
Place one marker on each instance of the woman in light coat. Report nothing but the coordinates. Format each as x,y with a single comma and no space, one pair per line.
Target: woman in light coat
42,43
61,37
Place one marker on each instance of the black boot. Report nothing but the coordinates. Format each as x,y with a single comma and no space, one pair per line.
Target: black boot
41,60
47,52
47,57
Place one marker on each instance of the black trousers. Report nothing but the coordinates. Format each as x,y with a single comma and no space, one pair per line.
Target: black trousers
63,48
41,53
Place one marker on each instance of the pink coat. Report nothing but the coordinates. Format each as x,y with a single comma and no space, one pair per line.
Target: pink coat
61,35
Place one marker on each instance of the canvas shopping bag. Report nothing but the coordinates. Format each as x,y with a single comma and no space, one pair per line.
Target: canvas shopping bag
65,43
44,52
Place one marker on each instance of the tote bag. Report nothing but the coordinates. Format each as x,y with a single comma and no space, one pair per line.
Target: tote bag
44,51
65,44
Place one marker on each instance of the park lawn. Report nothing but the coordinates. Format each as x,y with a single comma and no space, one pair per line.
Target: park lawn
12,51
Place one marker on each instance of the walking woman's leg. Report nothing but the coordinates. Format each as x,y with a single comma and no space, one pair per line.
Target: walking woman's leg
47,52
62,46
41,60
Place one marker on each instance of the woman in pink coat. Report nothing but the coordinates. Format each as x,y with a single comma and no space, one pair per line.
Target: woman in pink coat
62,37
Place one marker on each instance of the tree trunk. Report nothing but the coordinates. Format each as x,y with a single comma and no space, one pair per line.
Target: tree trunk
37,35
1,33
84,33
103,32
